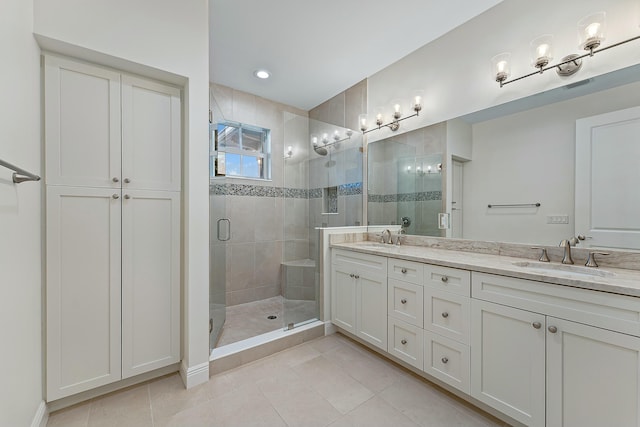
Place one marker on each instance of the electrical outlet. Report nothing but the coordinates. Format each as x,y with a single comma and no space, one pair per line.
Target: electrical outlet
557,219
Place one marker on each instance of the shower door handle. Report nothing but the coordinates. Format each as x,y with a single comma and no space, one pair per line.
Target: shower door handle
228,229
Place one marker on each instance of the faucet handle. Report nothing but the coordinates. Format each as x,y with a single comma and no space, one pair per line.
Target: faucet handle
543,256
591,261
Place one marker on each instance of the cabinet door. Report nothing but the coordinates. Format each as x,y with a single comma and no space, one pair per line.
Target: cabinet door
371,309
150,135
82,124
82,289
593,376
508,361
150,280
343,298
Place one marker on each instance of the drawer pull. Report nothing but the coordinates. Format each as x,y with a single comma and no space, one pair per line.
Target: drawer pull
445,279
553,329
536,325
116,196
403,300
445,360
404,270
115,179
356,276
352,275
403,342
445,314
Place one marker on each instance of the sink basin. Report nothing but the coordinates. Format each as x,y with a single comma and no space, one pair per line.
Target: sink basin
564,269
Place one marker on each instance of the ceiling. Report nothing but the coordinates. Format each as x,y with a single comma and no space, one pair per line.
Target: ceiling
317,49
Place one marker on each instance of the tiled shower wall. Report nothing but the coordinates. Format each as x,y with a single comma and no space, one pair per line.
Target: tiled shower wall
259,242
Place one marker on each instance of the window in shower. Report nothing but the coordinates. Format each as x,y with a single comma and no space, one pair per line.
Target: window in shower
246,148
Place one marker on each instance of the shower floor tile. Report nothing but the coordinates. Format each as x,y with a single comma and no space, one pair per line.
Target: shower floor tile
251,319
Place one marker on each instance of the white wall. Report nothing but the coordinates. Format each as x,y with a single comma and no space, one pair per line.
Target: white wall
166,39
530,157
20,218
455,70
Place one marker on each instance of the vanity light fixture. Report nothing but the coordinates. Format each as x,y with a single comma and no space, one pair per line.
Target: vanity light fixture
591,31
289,153
396,116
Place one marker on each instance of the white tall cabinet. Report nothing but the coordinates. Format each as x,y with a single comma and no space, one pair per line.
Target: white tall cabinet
112,150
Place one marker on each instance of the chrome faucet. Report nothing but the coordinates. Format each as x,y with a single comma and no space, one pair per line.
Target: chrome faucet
387,239
566,244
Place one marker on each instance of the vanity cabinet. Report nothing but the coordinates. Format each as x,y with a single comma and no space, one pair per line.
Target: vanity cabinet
113,202
359,295
542,369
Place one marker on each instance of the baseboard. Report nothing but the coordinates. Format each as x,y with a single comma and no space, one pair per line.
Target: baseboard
42,416
194,375
330,328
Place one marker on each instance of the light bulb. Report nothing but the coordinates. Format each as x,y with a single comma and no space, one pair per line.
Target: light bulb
325,138
417,100
362,120
500,67
336,135
591,30
397,109
314,140
541,53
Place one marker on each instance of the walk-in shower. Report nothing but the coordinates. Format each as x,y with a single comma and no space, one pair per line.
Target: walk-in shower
264,271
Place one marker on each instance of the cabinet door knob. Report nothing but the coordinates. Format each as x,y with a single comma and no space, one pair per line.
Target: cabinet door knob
445,360
116,196
445,279
126,196
536,325
403,342
115,179
445,314
404,270
352,275
553,329
403,300
356,276
127,180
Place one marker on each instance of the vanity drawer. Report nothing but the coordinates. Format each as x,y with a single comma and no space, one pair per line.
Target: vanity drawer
407,271
615,312
405,301
448,279
405,342
447,314
447,360
358,262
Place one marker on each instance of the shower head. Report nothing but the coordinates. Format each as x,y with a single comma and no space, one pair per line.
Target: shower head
320,150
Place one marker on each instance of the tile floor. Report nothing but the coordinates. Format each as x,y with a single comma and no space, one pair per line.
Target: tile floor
330,381
250,320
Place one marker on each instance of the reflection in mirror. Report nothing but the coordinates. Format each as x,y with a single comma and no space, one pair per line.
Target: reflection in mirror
521,153
405,181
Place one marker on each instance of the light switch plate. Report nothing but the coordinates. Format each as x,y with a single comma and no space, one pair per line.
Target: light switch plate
557,219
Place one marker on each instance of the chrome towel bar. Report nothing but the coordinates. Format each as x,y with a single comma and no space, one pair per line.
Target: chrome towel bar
19,174
517,205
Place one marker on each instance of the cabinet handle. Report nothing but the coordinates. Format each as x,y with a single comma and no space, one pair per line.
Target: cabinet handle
553,329
403,342
444,360
356,276
352,275
126,196
445,314
116,196
127,180
403,300
404,270
115,179
445,279
536,325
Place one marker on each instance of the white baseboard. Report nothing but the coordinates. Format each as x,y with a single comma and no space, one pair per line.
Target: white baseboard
41,417
194,375
330,328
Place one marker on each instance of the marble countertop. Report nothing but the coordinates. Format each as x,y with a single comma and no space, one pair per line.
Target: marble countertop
613,280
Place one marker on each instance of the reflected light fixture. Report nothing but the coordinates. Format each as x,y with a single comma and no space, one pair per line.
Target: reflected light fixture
289,153
396,115
319,143
591,34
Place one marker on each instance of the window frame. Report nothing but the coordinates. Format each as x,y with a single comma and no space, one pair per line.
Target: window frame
262,156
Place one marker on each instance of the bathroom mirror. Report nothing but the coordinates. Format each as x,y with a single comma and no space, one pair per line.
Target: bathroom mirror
522,154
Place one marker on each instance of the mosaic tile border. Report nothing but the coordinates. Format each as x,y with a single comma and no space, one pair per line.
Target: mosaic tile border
296,193
405,197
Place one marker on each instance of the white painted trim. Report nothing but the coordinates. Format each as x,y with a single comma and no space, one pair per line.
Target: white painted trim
41,416
329,328
195,375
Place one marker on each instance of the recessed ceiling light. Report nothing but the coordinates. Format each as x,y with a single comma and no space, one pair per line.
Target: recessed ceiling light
262,74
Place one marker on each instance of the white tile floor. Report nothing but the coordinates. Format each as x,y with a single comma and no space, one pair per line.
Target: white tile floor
330,381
